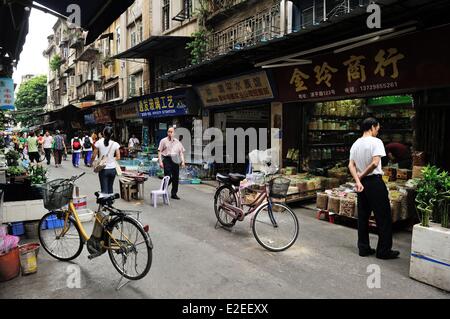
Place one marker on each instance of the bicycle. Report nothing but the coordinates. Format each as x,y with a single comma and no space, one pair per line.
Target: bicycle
274,224
115,231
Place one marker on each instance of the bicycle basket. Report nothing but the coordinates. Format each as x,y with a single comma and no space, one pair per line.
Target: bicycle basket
279,187
57,193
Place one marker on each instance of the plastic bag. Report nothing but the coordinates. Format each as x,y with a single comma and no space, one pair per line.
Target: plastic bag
8,243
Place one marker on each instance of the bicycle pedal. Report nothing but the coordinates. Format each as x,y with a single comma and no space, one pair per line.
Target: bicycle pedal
92,256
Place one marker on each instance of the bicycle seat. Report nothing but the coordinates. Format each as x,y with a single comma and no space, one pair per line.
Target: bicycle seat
107,200
236,178
223,179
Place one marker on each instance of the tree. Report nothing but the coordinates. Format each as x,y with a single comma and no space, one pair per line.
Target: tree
30,100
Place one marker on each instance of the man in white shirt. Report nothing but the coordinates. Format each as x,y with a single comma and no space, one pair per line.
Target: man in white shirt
170,155
365,167
48,144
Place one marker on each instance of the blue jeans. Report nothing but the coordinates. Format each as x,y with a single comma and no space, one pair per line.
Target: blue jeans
76,159
87,157
107,177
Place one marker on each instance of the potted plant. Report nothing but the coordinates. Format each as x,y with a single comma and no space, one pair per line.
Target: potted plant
430,253
12,158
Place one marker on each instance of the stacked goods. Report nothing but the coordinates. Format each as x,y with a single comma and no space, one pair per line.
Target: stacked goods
340,173
404,174
418,158
396,200
322,201
417,172
391,172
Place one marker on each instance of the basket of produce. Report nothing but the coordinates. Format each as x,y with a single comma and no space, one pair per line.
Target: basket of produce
347,206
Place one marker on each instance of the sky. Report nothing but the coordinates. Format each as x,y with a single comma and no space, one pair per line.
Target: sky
31,59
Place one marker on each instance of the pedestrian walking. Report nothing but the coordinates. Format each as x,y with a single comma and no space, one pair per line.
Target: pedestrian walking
77,148
64,136
87,149
170,155
48,142
59,147
365,167
33,148
106,147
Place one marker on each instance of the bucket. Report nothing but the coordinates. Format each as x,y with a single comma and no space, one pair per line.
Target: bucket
28,258
9,265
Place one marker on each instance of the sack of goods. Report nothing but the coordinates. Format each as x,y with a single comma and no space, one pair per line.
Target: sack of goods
334,204
347,206
322,201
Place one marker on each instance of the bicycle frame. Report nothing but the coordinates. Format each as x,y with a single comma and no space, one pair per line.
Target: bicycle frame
238,211
72,211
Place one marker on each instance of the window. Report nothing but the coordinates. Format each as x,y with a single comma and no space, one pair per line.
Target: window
136,85
118,40
106,47
166,15
132,85
136,34
112,93
187,6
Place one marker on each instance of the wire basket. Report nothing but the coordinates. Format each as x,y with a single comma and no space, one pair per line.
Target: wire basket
279,187
57,193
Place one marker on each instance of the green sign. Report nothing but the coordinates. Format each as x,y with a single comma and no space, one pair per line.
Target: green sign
389,100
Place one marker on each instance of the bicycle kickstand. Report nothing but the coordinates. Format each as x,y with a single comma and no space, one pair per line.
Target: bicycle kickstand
119,286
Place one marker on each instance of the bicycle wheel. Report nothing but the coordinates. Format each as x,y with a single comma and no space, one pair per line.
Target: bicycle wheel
63,242
275,227
132,257
224,195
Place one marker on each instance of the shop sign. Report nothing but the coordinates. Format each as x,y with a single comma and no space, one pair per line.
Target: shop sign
6,94
163,104
128,111
246,88
102,115
391,65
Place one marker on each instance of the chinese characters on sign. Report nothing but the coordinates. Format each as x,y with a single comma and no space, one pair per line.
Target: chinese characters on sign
356,73
251,87
6,94
161,105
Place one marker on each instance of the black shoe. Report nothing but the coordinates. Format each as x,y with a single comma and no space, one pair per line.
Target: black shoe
175,197
390,255
366,252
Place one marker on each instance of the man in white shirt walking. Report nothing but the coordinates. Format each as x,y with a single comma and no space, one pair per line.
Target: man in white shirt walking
365,167
48,144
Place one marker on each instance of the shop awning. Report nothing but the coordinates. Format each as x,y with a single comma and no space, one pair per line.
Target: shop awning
154,46
14,29
96,15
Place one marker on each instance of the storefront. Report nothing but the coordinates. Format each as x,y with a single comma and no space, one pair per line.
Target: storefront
127,122
393,80
238,102
159,111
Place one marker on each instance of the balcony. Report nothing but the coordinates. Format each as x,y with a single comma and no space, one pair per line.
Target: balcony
89,53
262,27
322,10
88,90
222,9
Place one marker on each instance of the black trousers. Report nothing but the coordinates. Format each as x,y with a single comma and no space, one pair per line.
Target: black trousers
48,154
172,169
374,198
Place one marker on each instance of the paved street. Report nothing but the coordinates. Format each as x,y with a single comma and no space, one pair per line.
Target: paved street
192,259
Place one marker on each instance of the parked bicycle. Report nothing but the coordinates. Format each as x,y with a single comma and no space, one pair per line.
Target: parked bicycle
274,224
116,231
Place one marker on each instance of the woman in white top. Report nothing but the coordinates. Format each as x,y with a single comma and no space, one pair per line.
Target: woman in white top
107,147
